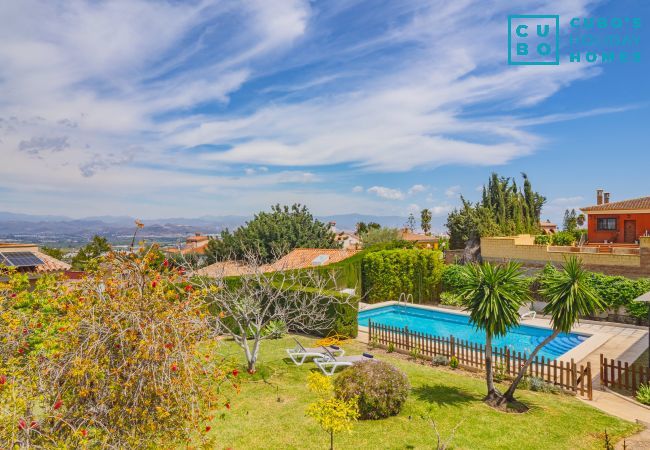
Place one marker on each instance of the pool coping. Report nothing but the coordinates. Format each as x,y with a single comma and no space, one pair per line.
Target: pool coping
581,351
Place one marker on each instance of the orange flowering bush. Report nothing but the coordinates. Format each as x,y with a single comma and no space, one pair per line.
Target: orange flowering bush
123,358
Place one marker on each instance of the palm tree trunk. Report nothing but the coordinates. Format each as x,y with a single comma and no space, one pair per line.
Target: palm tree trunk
493,395
510,393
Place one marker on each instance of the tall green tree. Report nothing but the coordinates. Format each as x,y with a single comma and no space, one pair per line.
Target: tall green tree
270,235
425,220
53,252
88,254
493,294
504,209
570,296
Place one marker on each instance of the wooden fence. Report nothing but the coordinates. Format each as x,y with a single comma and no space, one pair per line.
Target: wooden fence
566,375
615,374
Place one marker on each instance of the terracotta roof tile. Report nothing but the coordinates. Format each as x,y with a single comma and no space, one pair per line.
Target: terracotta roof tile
50,264
299,258
635,203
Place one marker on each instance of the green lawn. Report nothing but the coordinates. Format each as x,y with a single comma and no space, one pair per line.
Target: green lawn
269,413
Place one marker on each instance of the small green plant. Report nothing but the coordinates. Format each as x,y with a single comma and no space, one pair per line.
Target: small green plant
374,342
415,353
453,362
391,348
450,299
500,372
275,329
608,442
643,394
539,385
440,360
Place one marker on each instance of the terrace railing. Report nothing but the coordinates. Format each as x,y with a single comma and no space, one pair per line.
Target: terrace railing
471,355
622,376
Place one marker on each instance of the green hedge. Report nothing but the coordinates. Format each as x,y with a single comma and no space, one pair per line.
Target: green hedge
388,273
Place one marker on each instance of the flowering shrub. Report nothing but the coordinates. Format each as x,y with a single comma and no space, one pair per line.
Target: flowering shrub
120,359
380,388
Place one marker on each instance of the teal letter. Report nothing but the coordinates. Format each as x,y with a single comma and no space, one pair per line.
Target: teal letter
521,27
591,56
543,49
575,22
608,57
574,57
539,30
522,49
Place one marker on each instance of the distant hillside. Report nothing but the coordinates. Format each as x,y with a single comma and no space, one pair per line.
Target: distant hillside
65,231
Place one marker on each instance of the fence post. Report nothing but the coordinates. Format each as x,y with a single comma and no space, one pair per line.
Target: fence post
589,387
507,360
452,347
406,337
369,331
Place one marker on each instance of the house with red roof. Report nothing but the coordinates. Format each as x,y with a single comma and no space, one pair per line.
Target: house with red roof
619,222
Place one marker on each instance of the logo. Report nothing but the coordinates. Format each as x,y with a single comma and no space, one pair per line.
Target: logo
534,40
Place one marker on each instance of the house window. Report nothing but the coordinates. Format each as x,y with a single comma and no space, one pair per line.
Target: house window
606,225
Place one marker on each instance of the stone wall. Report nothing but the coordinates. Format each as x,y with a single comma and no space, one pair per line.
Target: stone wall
523,249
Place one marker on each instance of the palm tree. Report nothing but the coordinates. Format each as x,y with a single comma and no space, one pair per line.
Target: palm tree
570,296
493,294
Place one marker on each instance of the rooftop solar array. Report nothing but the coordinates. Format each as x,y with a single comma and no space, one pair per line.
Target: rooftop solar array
320,260
20,259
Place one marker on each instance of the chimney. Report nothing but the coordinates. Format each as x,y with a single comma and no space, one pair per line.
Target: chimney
599,196
606,197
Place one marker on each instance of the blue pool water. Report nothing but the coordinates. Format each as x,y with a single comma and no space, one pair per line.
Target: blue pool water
438,323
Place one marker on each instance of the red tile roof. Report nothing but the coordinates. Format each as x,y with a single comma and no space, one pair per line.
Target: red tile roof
632,204
299,258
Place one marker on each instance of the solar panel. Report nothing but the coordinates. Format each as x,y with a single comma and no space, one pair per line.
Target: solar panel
20,259
320,260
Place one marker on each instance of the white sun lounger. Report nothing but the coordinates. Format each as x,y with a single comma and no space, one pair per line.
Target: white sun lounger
526,313
299,353
329,363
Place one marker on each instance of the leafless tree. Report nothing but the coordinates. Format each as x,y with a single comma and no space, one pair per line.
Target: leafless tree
264,294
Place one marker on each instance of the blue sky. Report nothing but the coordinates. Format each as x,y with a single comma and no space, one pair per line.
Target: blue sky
187,108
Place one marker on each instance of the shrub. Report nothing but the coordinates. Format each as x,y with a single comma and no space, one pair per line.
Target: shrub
415,353
391,348
643,394
440,360
539,385
120,359
542,239
453,362
450,299
563,238
275,329
388,273
380,388
451,277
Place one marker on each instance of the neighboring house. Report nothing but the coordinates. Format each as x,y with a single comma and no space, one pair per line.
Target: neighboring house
621,222
28,259
194,245
548,227
348,240
420,240
299,258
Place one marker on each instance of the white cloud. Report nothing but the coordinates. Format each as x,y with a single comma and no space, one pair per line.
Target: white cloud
452,191
357,189
387,193
416,188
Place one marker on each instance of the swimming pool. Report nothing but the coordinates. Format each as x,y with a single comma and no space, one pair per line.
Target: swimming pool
523,338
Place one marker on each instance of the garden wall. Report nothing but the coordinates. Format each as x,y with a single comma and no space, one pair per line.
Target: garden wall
523,249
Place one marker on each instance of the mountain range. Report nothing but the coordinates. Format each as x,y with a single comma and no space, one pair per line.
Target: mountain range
66,231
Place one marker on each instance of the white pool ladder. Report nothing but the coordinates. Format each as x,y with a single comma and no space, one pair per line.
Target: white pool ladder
405,299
